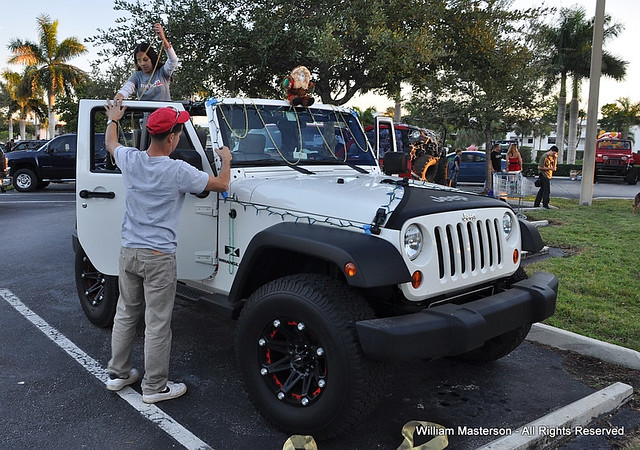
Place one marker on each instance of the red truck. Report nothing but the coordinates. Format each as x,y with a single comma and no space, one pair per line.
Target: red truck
615,158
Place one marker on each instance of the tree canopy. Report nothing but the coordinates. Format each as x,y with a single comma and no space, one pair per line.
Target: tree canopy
49,62
620,116
568,43
247,48
490,78
24,97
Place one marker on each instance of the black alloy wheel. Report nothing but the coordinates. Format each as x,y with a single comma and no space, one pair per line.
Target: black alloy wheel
300,357
98,293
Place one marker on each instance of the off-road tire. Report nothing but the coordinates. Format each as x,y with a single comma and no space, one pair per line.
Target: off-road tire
425,167
307,322
441,172
98,293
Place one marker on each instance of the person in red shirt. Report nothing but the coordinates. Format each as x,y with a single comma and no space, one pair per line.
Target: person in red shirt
514,159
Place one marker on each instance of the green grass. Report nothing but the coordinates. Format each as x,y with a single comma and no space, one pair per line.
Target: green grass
599,293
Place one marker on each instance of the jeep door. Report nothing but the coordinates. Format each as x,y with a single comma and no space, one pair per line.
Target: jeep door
100,193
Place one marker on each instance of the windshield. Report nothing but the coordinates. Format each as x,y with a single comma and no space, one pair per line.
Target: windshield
279,135
605,144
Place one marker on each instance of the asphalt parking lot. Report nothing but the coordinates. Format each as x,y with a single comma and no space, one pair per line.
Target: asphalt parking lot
53,396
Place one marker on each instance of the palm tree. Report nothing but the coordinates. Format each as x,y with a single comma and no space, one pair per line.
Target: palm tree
569,44
9,86
24,98
367,116
581,67
49,60
558,40
620,116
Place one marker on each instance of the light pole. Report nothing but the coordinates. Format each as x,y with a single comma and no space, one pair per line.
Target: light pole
588,164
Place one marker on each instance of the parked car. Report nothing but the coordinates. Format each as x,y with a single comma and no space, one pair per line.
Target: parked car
472,166
30,144
3,170
53,162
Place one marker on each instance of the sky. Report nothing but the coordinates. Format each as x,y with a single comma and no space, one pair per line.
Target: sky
81,19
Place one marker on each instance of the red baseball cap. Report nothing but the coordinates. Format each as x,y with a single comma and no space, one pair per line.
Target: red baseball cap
163,119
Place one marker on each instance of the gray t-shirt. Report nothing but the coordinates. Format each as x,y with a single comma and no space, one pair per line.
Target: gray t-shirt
153,86
155,190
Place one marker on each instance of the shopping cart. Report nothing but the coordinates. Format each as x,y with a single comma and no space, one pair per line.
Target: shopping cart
511,185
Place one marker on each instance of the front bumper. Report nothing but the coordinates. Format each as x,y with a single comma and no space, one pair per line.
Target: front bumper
612,170
450,329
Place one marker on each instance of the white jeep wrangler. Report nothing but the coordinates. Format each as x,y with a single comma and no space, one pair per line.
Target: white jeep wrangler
331,266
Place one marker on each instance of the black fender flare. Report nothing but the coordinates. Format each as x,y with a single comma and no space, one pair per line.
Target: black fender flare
531,239
378,262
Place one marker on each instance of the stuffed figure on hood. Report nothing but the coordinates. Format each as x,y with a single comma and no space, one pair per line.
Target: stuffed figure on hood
299,87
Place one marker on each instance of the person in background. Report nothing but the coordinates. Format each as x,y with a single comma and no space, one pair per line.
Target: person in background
496,159
9,146
151,79
155,189
547,165
514,159
495,166
454,168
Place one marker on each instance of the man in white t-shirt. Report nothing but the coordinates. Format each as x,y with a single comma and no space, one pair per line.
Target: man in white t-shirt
155,189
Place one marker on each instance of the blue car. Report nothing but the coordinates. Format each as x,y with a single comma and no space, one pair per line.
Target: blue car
472,166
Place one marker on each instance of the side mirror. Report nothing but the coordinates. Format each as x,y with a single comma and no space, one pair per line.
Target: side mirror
395,163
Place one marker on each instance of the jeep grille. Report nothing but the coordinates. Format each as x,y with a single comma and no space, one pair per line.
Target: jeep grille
468,247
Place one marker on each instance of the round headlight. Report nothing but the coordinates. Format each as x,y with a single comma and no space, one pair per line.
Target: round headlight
413,241
507,224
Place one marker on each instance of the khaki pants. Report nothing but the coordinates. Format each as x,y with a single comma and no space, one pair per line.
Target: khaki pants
146,277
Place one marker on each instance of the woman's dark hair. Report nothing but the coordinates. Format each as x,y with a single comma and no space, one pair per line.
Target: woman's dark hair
145,47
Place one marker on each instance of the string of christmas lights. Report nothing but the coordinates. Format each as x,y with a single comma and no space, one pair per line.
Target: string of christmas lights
334,221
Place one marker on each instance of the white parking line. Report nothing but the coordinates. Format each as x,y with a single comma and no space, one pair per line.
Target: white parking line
150,412
21,202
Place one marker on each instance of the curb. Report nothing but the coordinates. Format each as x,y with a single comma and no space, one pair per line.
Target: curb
567,421
566,340
539,223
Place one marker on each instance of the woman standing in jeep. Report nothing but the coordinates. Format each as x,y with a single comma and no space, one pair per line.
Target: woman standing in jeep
150,80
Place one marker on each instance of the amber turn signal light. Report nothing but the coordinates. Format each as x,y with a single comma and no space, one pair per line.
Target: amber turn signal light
516,256
416,279
350,269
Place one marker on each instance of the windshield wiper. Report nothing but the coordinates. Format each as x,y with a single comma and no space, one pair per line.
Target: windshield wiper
338,162
272,162
357,168
301,169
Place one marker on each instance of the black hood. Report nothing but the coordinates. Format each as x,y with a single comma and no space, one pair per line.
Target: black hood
417,201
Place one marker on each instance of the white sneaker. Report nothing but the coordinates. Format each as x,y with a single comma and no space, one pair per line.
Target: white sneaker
173,390
117,383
